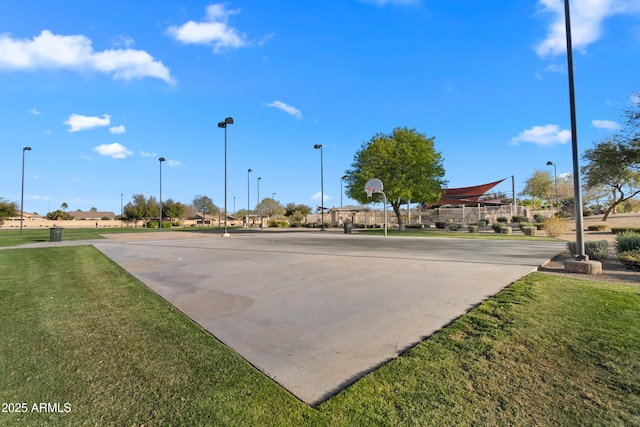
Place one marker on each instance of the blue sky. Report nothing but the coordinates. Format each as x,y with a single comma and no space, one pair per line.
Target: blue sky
100,92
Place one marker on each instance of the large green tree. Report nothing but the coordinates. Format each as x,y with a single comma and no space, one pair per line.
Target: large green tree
173,210
613,165
407,164
540,187
205,205
270,207
7,209
141,208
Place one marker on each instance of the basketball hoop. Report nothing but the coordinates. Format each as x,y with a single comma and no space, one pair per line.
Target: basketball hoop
369,192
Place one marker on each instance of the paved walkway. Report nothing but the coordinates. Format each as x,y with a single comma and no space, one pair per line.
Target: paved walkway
316,311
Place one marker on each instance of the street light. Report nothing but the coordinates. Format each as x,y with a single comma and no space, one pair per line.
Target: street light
555,178
258,205
342,179
22,194
319,147
577,195
161,159
273,196
223,125
248,210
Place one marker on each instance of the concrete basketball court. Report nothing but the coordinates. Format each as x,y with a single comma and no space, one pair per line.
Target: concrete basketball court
317,310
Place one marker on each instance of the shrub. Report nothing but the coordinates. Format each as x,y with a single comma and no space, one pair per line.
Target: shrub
502,219
505,230
279,223
482,223
474,229
454,227
595,250
529,231
497,226
555,227
418,226
524,224
296,224
440,224
539,219
618,230
152,224
597,227
627,241
166,224
519,218
631,259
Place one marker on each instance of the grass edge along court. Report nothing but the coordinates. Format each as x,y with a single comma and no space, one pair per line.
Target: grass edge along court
79,330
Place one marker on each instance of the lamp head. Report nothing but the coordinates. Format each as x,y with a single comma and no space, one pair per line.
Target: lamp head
222,125
549,163
26,149
161,159
249,170
228,121
317,146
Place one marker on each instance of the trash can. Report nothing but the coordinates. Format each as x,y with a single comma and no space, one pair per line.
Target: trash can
348,226
55,234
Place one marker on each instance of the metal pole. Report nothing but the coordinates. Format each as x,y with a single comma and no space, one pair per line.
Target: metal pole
248,211
224,124
513,193
225,180
258,204
319,146
22,193
577,193
161,159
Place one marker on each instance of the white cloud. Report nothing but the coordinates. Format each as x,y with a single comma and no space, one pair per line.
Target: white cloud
317,196
605,124
117,129
174,163
544,136
34,112
146,154
78,122
115,150
214,30
51,51
587,18
286,108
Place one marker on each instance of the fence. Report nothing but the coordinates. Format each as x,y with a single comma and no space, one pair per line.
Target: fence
464,215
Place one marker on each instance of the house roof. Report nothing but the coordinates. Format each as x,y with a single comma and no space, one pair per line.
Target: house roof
91,215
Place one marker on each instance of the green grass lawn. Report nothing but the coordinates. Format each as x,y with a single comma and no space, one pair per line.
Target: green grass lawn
12,237
76,328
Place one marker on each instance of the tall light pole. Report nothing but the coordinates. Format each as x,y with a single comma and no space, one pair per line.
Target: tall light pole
223,125
234,205
258,205
248,201
342,179
555,179
577,194
319,147
161,159
273,196
22,193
